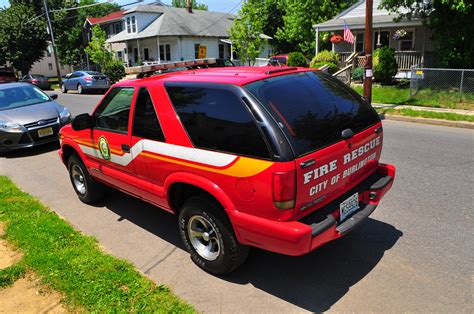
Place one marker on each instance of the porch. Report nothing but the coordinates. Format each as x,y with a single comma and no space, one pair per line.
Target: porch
405,59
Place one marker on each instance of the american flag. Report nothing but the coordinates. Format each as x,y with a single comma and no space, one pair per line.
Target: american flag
348,34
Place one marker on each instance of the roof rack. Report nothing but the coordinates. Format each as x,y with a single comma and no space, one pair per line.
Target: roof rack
151,67
281,69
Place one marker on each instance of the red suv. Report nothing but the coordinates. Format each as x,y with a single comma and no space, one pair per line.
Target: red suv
7,75
284,159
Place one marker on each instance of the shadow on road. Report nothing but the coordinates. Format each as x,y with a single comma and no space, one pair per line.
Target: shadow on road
31,151
314,281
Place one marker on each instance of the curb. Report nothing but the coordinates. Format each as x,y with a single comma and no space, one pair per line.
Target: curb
456,124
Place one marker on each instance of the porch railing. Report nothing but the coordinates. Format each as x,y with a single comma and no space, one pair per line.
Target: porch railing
405,59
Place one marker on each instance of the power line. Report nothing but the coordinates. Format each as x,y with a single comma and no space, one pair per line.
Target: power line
215,22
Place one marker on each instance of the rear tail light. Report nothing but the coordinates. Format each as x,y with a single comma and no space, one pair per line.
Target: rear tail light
34,81
88,78
284,189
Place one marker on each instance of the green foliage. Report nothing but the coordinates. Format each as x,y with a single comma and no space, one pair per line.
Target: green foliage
22,43
9,275
300,16
97,51
358,74
115,70
326,56
245,33
332,68
451,25
296,59
182,4
75,265
384,64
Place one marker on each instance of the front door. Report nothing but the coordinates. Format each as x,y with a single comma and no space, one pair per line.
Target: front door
111,137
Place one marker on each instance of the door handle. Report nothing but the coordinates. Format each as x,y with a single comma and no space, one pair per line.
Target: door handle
125,148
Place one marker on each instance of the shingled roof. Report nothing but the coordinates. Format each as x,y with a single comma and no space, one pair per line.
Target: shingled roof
172,21
114,16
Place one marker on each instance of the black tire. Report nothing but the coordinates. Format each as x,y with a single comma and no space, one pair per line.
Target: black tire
231,253
63,89
93,190
80,89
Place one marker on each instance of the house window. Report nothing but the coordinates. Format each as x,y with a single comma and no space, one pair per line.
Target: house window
165,52
359,44
406,43
129,27
196,51
48,53
117,27
119,55
134,25
50,66
384,39
221,51
62,66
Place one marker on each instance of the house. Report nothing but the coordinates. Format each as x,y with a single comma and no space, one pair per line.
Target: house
413,49
112,24
47,67
156,33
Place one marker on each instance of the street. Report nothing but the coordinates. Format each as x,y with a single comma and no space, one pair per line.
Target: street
415,253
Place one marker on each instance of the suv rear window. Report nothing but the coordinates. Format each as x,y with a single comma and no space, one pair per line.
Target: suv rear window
313,108
216,119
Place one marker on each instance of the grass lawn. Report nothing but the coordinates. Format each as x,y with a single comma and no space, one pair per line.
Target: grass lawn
427,114
428,98
73,263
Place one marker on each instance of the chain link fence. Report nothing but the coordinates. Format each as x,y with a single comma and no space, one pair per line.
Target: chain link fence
446,87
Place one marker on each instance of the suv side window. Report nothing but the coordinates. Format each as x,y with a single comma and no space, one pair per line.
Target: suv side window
113,112
146,123
216,119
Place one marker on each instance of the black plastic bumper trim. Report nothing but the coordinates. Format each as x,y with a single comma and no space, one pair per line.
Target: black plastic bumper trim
356,219
320,227
381,183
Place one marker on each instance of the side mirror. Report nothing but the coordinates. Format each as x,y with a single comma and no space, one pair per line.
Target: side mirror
53,96
81,122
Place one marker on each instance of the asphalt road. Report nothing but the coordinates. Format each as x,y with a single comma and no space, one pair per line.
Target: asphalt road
415,253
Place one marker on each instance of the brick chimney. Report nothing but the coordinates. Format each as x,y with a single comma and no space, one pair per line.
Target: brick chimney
189,6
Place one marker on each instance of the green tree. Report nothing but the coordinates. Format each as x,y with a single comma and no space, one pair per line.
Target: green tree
100,55
68,25
97,50
302,15
246,31
22,41
182,4
385,65
296,59
451,25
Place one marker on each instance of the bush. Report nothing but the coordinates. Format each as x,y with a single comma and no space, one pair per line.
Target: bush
326,56
115,71
385,65
296,59
358,74
332,67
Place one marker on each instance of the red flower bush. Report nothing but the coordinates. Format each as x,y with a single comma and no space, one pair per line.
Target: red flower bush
336,39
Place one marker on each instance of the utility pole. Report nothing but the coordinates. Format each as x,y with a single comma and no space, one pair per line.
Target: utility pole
53,43
368,51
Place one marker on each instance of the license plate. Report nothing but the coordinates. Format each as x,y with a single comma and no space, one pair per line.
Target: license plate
349,206
45,132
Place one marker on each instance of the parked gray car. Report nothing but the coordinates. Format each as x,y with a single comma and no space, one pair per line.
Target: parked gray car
28,117
84,81
37,79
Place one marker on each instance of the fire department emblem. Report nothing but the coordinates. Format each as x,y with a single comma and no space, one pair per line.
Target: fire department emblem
104,148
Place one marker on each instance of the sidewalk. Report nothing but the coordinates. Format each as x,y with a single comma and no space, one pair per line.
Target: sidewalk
420,108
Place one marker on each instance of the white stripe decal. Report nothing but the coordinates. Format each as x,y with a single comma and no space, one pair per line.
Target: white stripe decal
200,156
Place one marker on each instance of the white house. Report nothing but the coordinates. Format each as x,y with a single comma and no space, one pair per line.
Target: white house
415,48
47,67
165,34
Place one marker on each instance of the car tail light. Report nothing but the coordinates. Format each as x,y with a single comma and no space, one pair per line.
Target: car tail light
34,81
284,189
88,78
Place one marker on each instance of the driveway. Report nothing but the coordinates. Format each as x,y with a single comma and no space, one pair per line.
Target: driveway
415,253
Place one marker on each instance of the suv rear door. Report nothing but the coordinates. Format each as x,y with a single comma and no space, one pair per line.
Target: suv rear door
336,136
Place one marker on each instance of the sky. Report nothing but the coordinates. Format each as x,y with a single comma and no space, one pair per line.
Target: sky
214,5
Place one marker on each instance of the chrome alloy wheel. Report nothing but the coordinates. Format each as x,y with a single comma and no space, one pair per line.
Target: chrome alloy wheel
78,179
204,238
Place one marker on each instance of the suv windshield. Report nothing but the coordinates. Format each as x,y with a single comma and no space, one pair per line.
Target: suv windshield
20,96
313,108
